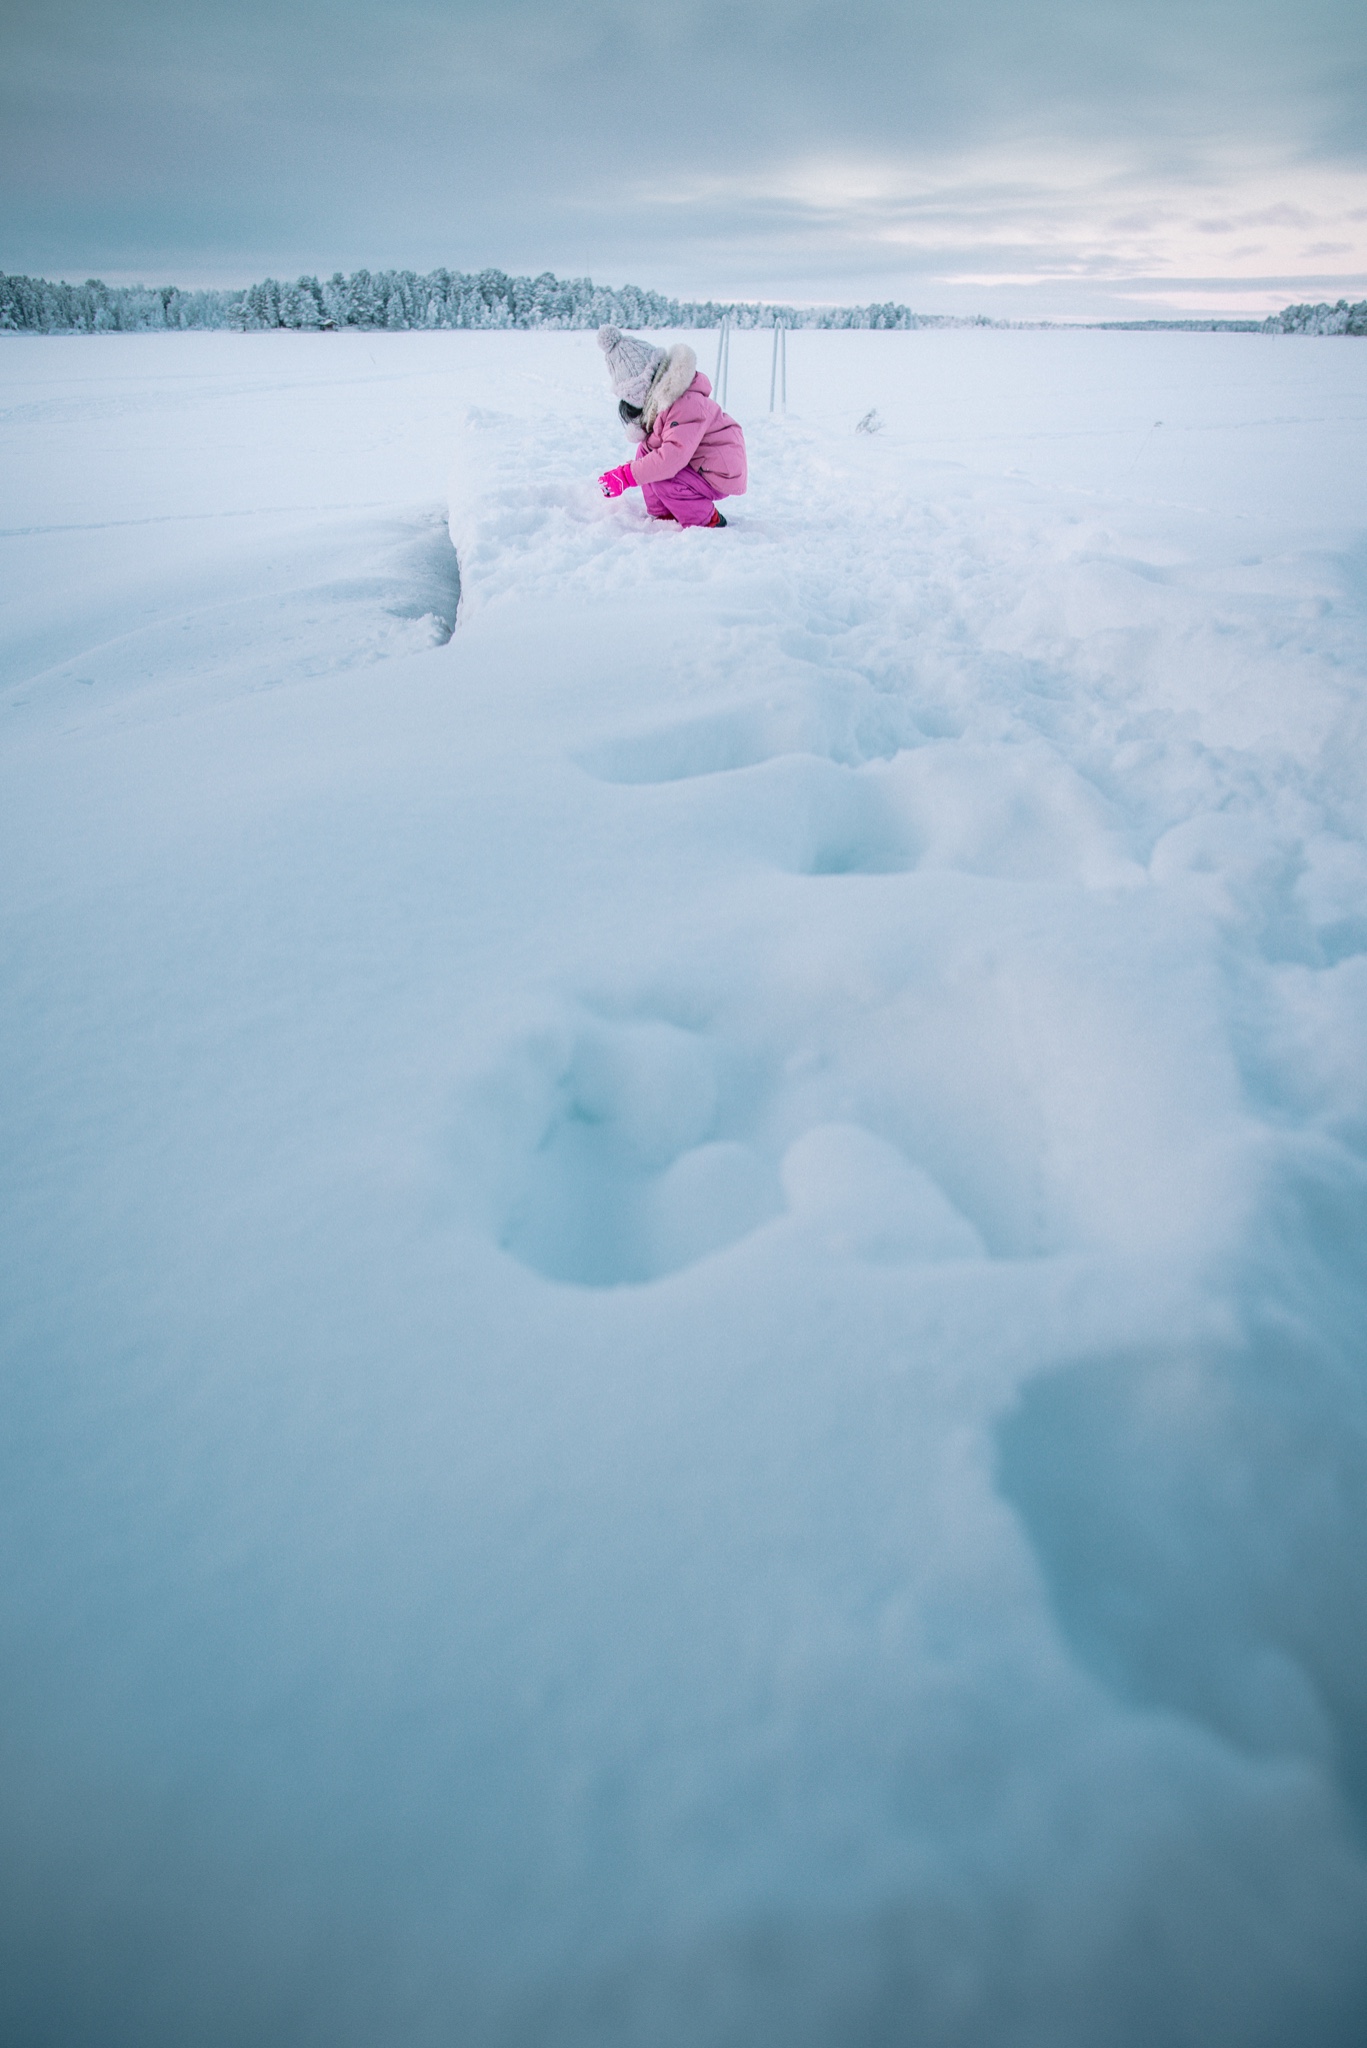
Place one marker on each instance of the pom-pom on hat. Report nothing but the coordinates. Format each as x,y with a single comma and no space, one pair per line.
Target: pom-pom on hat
631,363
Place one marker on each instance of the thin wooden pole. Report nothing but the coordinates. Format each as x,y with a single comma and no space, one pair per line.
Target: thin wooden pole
723,360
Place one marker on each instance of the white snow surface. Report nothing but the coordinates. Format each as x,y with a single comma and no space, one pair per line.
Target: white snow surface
683,1270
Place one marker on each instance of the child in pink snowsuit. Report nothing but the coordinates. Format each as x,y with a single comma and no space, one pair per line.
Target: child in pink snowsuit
689,452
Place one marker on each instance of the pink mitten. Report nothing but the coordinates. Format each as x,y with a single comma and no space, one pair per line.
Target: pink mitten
615,481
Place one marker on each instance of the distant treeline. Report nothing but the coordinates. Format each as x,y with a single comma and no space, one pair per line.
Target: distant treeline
1321,319
402,299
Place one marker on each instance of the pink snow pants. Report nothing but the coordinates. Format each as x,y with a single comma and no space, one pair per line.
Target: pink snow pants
687,495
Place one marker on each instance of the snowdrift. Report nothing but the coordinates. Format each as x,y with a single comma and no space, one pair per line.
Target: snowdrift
684,1262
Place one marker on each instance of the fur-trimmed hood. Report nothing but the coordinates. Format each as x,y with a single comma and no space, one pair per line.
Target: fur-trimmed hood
671,380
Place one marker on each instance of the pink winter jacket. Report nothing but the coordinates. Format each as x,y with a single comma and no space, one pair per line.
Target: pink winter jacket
694,431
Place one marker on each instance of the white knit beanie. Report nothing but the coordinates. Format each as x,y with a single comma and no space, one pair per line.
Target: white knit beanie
631,364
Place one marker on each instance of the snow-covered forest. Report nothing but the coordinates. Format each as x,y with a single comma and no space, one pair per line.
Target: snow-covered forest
1322,319
402,300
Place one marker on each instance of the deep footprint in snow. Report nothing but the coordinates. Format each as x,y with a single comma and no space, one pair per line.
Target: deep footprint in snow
628,1177
817,806
1164,1585
847,824
846,722
608,1161
797,808
812,816
696,747
861,1196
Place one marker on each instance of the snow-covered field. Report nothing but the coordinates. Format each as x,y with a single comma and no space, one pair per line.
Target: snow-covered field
685,1272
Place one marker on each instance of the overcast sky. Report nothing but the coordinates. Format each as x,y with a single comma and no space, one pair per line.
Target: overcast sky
1037,157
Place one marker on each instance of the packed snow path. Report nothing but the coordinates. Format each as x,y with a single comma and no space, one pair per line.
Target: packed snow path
684,1271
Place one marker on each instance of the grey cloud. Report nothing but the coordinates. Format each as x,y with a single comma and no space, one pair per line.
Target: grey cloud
308,133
